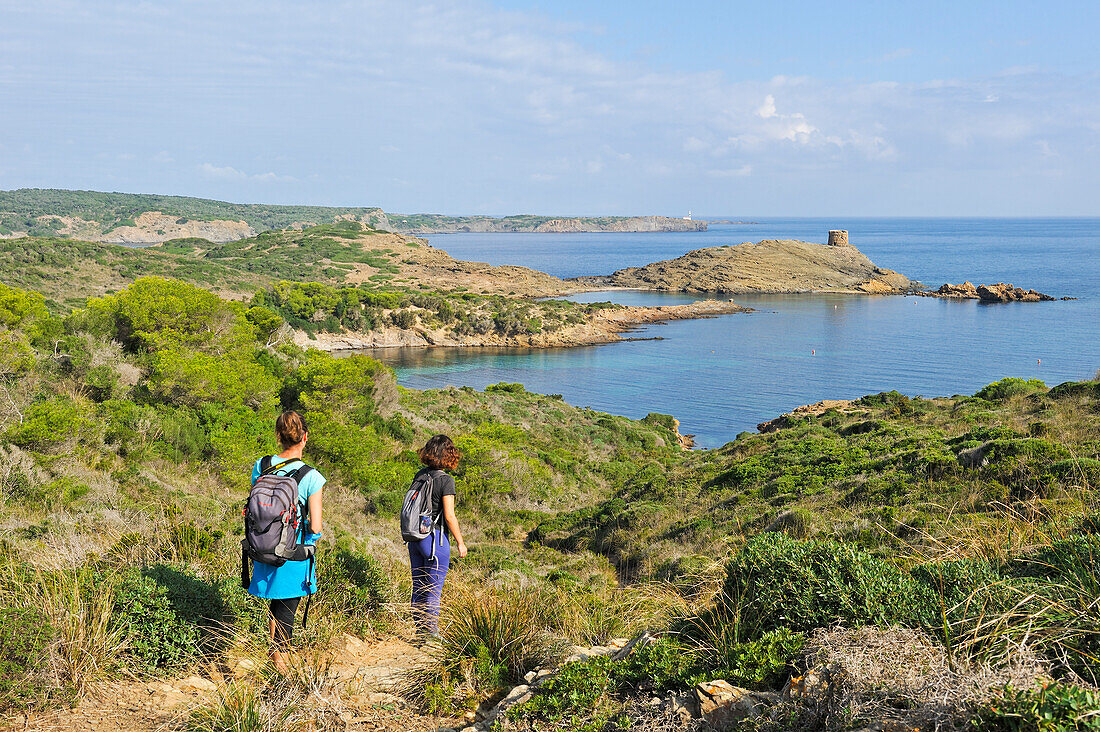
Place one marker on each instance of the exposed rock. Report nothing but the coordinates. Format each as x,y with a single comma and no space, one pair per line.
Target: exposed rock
643,639
153,227
806,410
965,291
816,684
724,705
1000,292
768,266
244,667
196,683
684,707
517,695
537,677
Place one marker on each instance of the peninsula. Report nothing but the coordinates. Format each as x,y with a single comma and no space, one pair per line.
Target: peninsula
772,266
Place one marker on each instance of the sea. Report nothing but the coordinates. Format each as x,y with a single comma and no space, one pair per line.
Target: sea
721,376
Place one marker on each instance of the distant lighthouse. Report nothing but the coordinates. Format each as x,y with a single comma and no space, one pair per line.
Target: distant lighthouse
688,217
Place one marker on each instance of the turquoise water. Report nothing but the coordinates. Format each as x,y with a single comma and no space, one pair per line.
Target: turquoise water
723,375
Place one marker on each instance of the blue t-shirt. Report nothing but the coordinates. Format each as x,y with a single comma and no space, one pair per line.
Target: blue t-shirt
293,578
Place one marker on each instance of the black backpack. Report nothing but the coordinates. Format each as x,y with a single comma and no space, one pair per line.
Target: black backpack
274,520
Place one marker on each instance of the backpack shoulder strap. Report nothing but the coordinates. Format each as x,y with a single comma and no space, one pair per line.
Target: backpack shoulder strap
265,463
273,468
300,473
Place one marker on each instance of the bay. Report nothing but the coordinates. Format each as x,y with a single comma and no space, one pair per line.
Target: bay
720,376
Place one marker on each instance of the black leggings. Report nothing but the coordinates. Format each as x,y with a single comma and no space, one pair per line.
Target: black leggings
283,611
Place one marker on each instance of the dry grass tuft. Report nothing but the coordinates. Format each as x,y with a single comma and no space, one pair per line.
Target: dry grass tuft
903,675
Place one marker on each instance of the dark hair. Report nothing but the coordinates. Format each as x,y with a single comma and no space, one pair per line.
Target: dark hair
290,428
440,453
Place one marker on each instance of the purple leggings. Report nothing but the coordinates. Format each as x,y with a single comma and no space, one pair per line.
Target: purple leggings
427,579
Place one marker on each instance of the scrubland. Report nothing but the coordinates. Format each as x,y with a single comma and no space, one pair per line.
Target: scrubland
937,555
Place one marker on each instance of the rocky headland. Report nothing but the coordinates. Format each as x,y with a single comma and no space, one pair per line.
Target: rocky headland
771,266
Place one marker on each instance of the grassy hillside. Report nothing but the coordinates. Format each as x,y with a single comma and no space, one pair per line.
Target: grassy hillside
36,211
930,551
20,209
984,474
330,279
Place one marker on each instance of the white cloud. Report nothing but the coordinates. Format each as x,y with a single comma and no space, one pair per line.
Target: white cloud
163,157
475,97
744,170
767,109
228,173
694,144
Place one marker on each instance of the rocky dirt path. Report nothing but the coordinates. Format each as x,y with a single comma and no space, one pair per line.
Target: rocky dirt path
356,692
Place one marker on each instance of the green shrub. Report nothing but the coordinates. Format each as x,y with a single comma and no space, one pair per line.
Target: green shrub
351,585
661,420
50,423
505,388
890,400
572,696
157,638
25,634
1050,708
776,581
171,617
1001,390
764,663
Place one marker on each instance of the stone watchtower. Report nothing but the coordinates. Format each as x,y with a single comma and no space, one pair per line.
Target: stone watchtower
838,238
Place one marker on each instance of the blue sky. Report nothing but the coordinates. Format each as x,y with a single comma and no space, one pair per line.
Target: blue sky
566,107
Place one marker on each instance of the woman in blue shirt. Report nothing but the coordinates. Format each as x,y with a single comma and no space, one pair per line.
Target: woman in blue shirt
285,586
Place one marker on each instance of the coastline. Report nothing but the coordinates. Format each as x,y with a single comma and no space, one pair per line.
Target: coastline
602,327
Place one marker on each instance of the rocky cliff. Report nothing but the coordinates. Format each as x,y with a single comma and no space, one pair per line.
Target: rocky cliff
774,265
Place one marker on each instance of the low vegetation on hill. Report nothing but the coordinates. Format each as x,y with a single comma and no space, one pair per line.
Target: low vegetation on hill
127,432
926,562
39,211
336,278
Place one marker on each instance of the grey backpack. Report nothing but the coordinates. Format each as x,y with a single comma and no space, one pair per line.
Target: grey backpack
416,511
273,516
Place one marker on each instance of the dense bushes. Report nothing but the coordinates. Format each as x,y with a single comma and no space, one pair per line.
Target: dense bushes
778,582
1009,387
25,635
351,586
169,617
579,694
1049,708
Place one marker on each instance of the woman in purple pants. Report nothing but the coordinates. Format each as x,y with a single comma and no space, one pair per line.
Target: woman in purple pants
430,557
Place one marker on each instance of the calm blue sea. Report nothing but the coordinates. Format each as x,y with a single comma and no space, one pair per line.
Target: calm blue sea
723,375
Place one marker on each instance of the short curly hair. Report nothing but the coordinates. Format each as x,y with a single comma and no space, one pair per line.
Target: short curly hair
440,453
